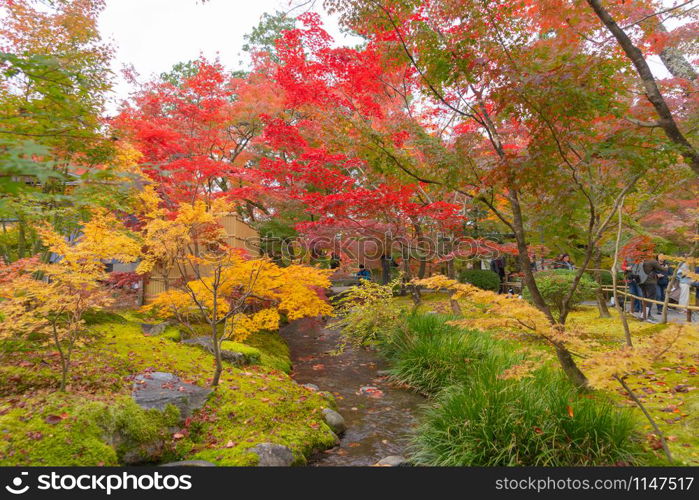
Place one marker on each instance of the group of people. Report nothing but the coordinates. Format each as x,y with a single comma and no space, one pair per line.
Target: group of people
650,279
563,262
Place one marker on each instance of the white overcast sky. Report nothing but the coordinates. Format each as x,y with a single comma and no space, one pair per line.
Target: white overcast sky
153,35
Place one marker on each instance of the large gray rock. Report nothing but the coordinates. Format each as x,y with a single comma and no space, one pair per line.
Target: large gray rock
273,455
392,461
189,463
334,420
154,330
159,389
206,343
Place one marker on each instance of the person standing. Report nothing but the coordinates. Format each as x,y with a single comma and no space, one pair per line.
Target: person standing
498,266
631,280
649,284
663,282
563,262
685,284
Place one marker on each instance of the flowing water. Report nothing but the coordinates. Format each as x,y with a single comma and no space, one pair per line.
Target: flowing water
378,415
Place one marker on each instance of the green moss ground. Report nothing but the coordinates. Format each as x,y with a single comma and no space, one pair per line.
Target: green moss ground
253,404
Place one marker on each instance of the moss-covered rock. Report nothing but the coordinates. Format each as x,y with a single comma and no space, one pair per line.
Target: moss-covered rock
274,353
65,429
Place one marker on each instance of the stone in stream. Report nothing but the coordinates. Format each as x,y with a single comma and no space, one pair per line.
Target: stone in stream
159,389
392,461
311,387
236,358
273,455
371,391
189,463
334,420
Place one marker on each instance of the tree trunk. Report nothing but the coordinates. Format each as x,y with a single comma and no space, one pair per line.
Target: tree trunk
423,267
454,304
674,60
64,355
450,269
415,295
217,356
21,239
574,374
65,368
523,257
666,301
666,119
385,270
565,358
615,267
601,299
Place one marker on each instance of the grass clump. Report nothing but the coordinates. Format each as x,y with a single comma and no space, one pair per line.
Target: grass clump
479,417
540,421
428,354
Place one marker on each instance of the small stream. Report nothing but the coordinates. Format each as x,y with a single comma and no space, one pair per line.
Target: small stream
378,417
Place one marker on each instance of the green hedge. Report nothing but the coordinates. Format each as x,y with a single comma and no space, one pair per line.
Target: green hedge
554,286
482,278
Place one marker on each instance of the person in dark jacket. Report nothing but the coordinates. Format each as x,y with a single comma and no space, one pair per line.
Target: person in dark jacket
498,266
632,284
363,273
663,282
652,269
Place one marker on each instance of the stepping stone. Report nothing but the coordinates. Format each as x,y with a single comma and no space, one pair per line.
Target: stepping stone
154,330
392,461
334,420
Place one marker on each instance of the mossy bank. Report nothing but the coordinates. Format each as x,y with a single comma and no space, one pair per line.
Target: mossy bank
98,423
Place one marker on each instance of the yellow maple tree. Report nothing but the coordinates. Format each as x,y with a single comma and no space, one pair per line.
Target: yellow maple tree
218,285
47,301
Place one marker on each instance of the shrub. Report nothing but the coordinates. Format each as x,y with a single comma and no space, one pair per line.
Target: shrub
366,312
482,278
540,421
554,286
606,277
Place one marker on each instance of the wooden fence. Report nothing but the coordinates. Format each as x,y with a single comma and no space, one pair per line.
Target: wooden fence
238,234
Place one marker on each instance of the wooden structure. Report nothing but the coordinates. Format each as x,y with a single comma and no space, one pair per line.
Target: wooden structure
238,235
